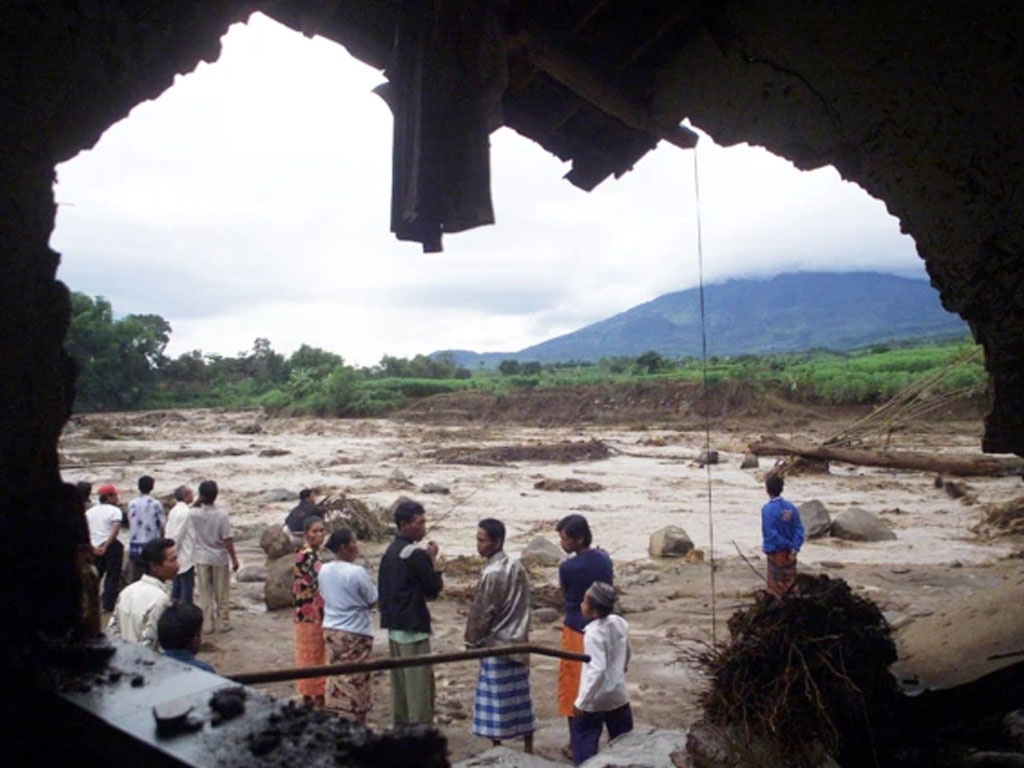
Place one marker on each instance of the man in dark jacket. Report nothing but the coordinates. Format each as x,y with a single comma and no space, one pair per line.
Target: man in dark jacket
408,578
294,524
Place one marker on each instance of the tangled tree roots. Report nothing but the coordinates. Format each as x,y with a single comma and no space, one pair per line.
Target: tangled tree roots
346,512
804,673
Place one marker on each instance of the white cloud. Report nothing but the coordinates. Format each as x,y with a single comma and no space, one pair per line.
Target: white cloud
252,199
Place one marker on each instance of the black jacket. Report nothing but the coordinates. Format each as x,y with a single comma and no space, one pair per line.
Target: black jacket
405,585
297,517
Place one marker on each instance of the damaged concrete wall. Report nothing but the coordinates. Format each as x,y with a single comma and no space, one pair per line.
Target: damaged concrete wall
918,103
921,104
70,70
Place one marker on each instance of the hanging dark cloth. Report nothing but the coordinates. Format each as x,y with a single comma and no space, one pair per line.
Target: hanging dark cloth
446,80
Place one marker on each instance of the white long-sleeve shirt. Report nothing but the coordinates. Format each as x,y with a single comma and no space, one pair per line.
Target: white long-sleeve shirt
603,681
139,607
179,528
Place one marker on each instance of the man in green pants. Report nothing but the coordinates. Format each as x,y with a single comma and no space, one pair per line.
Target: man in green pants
408,578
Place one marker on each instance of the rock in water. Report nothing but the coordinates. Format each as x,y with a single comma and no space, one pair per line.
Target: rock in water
277,494
434,488
708,457
275,542
542,552
815,518
670,541
749,462
855,524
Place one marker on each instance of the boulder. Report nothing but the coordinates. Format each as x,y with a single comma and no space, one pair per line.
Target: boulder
275,542
541,551
251,573
855,524
749,462
398,476
670,541
434,488
277,590
275,495
248,429
708,457
642,748
268,453
815,518
546,615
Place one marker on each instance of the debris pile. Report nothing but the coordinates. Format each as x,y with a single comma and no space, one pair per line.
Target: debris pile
564,452
1007,517
806,673
294,734
344,511
568,485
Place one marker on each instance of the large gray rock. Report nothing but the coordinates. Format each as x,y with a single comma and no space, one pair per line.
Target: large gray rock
642,748
670,541
275,542
546,615
816,520
277,494
749,462
542,551
277,590
855,524
434,488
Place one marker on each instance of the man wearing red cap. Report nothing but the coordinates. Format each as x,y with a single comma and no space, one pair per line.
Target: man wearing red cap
104,521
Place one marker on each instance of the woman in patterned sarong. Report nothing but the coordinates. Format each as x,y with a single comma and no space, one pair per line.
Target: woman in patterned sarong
348,594
309,636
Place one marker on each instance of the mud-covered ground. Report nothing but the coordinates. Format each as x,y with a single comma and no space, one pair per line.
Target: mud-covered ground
926,581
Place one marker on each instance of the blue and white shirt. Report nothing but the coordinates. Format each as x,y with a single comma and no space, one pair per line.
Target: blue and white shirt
146,520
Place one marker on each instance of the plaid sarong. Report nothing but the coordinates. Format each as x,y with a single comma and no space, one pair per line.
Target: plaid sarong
502,708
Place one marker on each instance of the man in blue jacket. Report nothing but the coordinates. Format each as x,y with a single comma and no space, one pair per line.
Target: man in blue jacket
783,535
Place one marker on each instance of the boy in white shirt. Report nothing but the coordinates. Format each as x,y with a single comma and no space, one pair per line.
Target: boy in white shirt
602,699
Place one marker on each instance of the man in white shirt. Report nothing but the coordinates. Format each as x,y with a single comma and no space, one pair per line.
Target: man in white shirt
179,528
141,604
146,520
104,521
603,698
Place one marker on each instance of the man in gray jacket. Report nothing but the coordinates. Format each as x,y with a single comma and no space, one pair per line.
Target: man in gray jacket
500,615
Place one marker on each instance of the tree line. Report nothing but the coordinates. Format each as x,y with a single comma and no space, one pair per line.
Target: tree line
122,365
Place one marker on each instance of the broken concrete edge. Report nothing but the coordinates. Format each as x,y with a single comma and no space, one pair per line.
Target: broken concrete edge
107,704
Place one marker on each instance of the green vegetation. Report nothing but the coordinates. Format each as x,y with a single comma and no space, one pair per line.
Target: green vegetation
121,365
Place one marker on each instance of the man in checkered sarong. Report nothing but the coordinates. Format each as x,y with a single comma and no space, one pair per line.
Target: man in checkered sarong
500,615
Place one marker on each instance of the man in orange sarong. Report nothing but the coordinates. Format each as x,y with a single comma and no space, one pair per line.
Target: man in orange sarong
575,575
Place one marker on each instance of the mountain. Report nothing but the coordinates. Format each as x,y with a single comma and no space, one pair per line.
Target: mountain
786,313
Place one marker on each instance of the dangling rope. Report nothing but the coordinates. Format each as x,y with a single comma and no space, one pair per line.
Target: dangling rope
706,399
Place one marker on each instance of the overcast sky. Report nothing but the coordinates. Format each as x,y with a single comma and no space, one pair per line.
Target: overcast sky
252,199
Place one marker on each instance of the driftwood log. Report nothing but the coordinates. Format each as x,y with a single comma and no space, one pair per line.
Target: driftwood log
991,466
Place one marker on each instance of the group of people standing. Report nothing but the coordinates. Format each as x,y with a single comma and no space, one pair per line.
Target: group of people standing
333,601
182,557
175,559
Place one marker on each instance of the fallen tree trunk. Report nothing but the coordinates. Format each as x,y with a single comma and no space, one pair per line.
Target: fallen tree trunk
992,466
